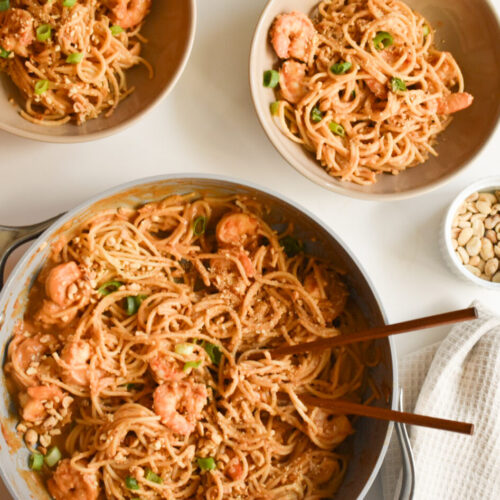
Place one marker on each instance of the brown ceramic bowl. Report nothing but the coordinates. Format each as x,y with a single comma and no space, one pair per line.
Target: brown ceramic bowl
470,31
169,28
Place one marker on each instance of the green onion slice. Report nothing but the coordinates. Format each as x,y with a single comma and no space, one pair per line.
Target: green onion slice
426,30
341,67
133,304
337,129
398,85
292,246
109,287
207,463
69,3
190,365
214,353
271,78
35,461
41,86
382,40
199,225
116,30
43,32
4,5
4,53
53,456
74,58
353,94
274,107
154,478
316,115
185,348
131,483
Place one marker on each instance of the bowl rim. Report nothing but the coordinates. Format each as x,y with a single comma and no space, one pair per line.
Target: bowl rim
486,184
26,262
93,136
314,174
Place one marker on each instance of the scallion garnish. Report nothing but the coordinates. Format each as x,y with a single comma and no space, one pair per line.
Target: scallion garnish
337,129
41,86
74,58
382,40
316,115
353,94
271,78
116,30
35,461
426,30
154,478
133,303
53,456
190,365
4,5
4,53
292,246
207,463
185,348
398,85
109,287
131,483
69,3
341,67
214,353
199,225
274,107
43,32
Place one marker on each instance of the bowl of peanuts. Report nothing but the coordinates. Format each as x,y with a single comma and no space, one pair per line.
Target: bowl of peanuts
471,242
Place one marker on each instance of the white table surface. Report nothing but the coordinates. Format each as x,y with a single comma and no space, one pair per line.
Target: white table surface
208,125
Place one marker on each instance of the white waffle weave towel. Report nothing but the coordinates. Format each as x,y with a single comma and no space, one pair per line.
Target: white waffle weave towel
457,379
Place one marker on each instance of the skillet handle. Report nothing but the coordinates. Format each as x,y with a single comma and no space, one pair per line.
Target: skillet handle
11,237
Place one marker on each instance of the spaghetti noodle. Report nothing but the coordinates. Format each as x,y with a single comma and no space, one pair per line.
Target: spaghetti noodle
143,357
363,87
69,58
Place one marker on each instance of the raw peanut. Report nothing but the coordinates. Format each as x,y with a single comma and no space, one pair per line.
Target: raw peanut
481,265
491,267
487,251
497,194
463,224
489,197
492,236
492,221
465,216
475,261
480,217
497,250
471,207
462,209
495,209
465,235
473,246
455,221
484,277
464,256
496,278
455,232
472,197
454,243
474,270
477,228
484,207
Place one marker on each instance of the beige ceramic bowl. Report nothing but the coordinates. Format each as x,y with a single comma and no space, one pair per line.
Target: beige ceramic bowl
467,28
169,28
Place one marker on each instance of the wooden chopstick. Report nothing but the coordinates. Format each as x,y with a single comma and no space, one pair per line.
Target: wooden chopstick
348,408
379,332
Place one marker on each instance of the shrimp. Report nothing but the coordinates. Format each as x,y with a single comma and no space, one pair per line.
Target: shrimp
68,483
293,35
59,280
75,355
165,370
454,102
16,31
235,229
322,468
234,469
312,287
293,84
34,399
179,404
128,13
331,429
379,89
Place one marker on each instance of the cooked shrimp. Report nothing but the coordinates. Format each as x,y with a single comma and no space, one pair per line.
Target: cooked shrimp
293,83
76,355
293,35
128,13
16,31
379,89
165,370
312,287
59,280
235,229
68,483
454,102
322,469
331,429
33,401
179,404
234,469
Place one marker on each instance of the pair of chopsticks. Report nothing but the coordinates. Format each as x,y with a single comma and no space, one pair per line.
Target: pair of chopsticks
346,407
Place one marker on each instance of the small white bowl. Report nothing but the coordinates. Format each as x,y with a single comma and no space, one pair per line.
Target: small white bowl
488,184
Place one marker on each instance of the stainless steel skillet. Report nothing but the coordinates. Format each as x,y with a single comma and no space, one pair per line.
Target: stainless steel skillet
370,442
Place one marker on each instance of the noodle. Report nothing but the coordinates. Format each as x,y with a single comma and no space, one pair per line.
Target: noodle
143,355
370,93
69,61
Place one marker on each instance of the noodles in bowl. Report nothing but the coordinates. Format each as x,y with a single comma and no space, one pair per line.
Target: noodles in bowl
141,357
362,87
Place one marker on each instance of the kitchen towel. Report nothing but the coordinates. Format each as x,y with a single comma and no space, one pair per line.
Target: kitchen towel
458,379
